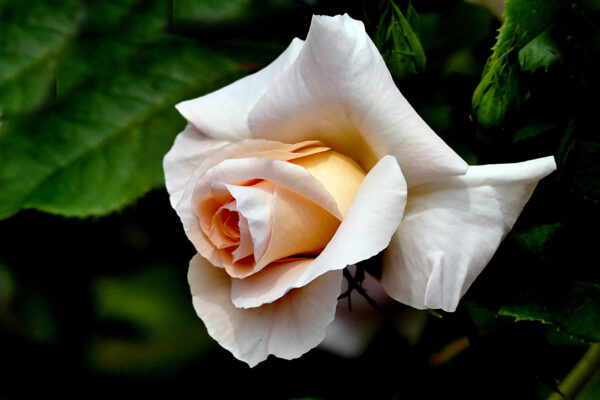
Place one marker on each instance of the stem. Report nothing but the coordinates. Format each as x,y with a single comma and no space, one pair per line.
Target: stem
581,376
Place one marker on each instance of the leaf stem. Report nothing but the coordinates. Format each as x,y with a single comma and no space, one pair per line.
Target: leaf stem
581,377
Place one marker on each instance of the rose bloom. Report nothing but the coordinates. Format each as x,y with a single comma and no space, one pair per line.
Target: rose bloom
317,162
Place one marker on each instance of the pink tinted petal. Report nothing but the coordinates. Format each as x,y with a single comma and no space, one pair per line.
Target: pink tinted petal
367,229
210,178
255,203
191,156
222,234
262,148
287,152
340,175
290,176
369,225
246,247
452,228
340,92
223,114
286,328
269,284
188,152
300,226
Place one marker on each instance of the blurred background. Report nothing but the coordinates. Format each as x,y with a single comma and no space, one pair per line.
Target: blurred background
94,300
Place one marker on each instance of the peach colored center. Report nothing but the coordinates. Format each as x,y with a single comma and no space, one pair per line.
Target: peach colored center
298,226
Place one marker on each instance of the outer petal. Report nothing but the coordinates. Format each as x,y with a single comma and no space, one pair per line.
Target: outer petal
223,114
286,328
269,285
189,150
339,91
367,229
452,228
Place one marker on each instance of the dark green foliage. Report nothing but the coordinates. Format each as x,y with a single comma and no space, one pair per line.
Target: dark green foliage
572,306
101,146
32,37
397,39
541,52
552,112
497,96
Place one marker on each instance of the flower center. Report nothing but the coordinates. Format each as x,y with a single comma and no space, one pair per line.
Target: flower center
259,212
225,231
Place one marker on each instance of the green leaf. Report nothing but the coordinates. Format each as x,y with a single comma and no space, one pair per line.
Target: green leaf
208,11
32,35
413,19
102,148
108,15
525,20
541,52
573,307
532,129
398,42
104,47
497,94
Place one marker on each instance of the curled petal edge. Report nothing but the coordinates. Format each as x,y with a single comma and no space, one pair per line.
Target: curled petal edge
451,230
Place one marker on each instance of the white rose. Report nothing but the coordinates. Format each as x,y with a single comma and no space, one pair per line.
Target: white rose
288,175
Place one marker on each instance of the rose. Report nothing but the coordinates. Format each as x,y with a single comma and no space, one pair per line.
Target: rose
285,177
274,217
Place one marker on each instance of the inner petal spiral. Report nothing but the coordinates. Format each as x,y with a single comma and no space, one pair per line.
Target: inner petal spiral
257,211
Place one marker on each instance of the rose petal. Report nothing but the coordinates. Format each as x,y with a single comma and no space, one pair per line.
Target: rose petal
367,229
340,175
255,203
188,152
300,226
452,228
290,176
222,234
286,328
339,91
223,114
271,149
246,247
192,168
235,171
371,221
269,285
